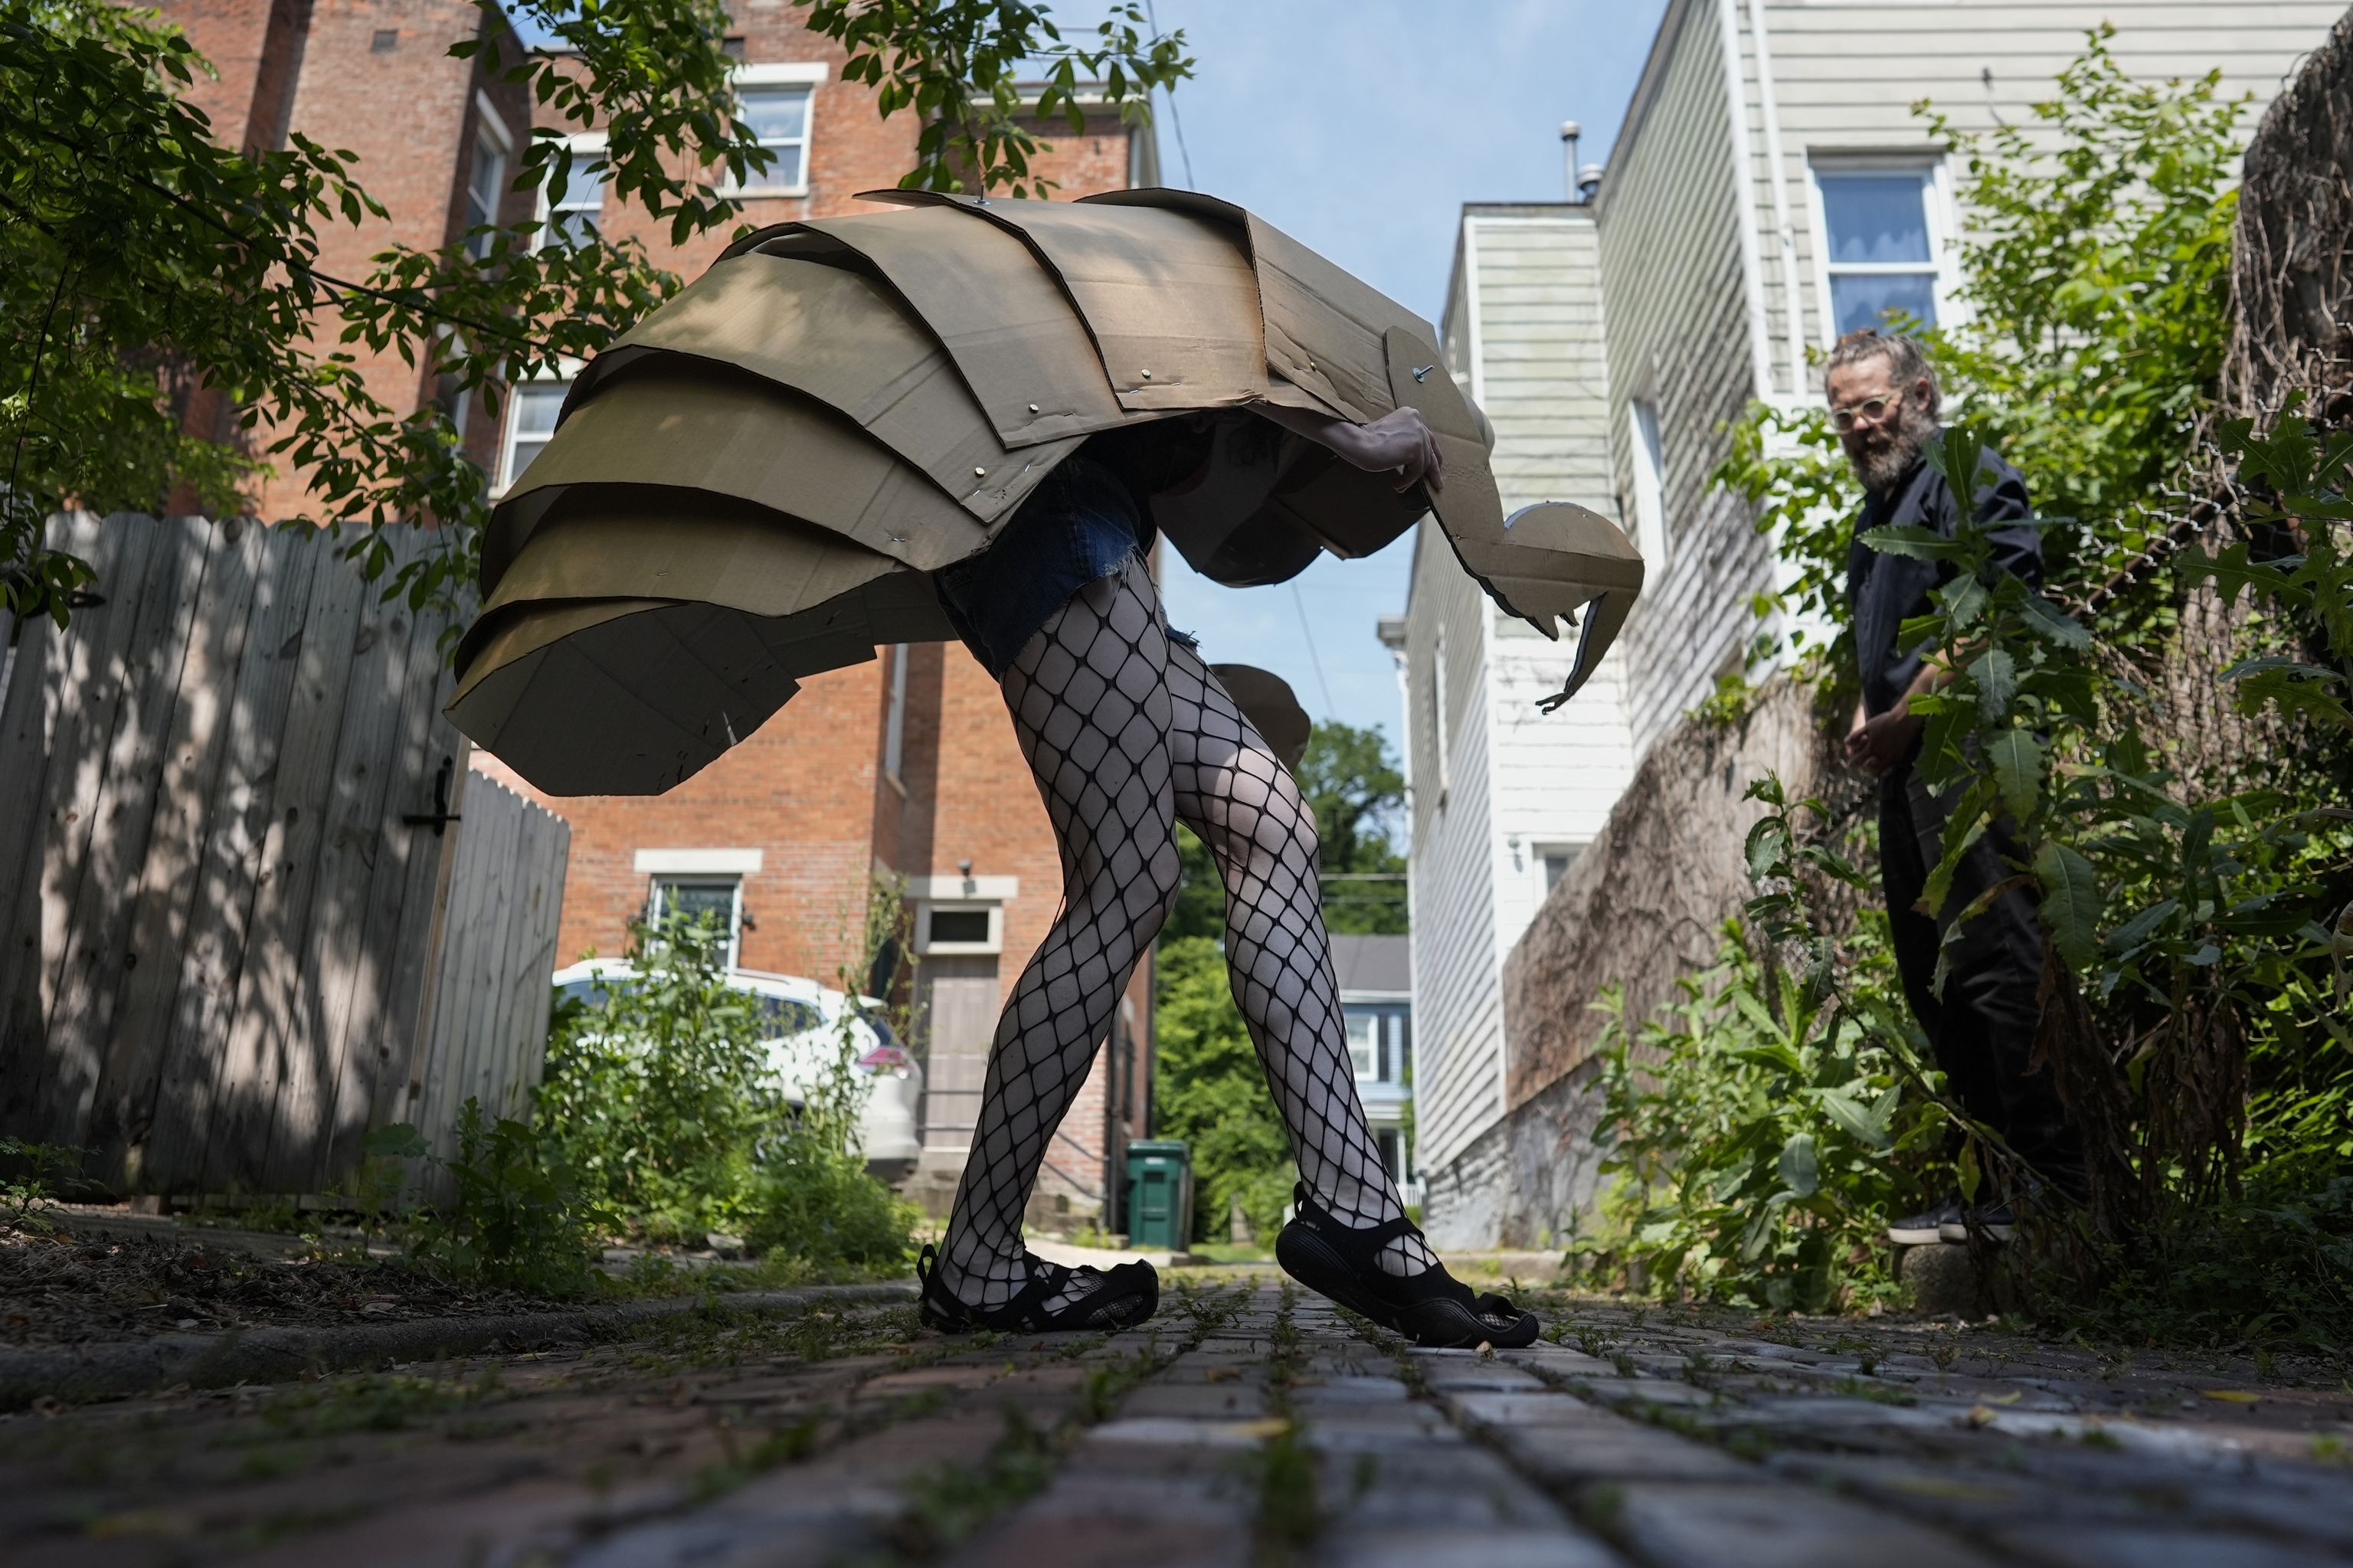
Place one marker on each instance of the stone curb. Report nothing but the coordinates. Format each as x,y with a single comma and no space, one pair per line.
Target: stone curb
272,1355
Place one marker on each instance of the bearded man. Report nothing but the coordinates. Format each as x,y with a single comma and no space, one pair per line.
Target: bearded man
1885,402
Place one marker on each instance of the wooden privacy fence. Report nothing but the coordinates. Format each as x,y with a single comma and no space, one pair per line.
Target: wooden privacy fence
234,935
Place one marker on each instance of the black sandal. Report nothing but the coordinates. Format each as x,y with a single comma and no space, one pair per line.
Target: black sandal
1432,1309
1130,1293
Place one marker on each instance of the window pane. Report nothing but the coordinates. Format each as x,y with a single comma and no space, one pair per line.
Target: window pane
1364,1044
1863,299
775,114
536,404
572,226
524,451
1875,219
959,924
700,900
783,174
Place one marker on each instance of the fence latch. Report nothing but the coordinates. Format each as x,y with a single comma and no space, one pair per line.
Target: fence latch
440,816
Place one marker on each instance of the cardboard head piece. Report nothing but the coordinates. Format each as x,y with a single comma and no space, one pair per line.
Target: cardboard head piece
756,483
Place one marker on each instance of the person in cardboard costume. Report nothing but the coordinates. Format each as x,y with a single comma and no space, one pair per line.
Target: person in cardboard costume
969,419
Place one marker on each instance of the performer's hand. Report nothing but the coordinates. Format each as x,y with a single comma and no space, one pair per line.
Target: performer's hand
1396,442
1399,441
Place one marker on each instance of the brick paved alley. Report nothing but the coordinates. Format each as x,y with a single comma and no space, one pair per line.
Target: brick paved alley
1246,1422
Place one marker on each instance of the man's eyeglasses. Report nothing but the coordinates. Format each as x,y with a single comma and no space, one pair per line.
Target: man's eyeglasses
1870,411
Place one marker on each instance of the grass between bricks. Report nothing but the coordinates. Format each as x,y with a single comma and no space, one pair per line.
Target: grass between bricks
947,1504
1290,1515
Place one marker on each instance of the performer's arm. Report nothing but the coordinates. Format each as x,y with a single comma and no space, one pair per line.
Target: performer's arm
1399,441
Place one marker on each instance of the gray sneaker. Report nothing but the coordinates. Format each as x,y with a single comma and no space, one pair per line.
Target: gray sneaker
1926,1229
1999,1221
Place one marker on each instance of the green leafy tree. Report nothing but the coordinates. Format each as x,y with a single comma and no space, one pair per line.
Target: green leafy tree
1351,783
151,269
961,64
1212,1092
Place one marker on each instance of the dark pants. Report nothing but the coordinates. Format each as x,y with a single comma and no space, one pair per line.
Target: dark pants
1982,1028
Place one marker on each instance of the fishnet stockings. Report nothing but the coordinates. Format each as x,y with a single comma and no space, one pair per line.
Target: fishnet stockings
1126,732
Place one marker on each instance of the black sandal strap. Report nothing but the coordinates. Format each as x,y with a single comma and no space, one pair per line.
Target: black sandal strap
1134,1283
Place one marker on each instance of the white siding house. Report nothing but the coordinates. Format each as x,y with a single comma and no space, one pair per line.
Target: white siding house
1770,187
1504,797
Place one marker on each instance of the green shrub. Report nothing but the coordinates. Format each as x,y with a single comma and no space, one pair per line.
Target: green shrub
1760,1133
812,1198
666,1102
35,1174
519,1219
662,1098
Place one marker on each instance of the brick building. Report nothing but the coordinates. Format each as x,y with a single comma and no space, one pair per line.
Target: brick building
905,767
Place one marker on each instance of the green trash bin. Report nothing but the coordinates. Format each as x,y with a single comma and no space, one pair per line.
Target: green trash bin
1159,1194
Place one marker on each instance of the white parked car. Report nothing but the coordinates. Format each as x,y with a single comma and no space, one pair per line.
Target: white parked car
802,1024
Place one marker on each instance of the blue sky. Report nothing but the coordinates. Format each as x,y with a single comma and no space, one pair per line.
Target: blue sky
1361,127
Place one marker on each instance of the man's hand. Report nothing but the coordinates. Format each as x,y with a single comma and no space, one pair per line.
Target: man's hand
1396,442
1879,745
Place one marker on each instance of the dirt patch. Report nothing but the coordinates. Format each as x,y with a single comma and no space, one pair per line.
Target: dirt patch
79,1284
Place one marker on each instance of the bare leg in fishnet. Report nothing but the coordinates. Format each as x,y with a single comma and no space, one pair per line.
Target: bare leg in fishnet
1125,732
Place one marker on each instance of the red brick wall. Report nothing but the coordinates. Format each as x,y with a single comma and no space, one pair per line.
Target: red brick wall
410,114
799,790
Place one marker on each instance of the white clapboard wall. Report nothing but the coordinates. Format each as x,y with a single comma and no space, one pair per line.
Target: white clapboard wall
221,940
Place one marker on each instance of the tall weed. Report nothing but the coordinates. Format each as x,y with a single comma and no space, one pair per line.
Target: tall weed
1761,1131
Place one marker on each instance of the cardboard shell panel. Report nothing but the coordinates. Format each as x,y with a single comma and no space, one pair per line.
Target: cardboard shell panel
1272,709
1169,298
1008,326
1325,328
839,338
755,485
743,439
760,563
634,696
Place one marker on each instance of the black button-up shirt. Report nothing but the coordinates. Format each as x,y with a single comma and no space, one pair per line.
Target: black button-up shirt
1887,590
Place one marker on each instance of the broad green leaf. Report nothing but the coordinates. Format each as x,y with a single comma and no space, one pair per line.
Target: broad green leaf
2017,761
2054,625
1996,674
1864,1126
1796,1166
2071,902
2135,931
1918,543
1956,453
396,1140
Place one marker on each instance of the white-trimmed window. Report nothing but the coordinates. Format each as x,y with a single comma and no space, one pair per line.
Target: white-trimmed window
718,898
1650,481
1886,245
486,180
1554,861
961,916
532,409
775,101
1376,1041
574,220
700,882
